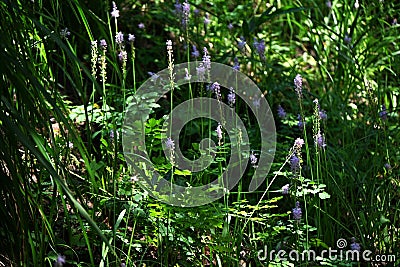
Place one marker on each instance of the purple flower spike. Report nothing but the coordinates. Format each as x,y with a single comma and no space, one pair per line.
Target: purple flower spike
299,142
285,189
170,144
236,65
281,112
298,84
60,260
119,38
103,43
131,38
354,245
294,163
322,115
231,97
241,43
253,159
115,11
383,113
297,212
195,52
387,166
300,123
219,131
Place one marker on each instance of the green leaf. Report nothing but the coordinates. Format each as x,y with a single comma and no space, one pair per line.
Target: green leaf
324,195
182,172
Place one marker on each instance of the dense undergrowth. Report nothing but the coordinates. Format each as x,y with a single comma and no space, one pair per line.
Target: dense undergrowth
69,69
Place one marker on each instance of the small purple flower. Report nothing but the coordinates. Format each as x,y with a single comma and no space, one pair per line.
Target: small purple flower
299,142
387,166
231,97
201,71
298,84
186,12
257,102
103,43
207,19
297,211
178,7
236,65
281,112
354,245
115,11
60,260
322,115
141,25
294,163
216,88
119,38
285,189
383,113
122,56
65,33
394,22
196,12
320,140
131,38
219,131
328,4
253,159
260,46
241,43
347,39
230,26
170,144
154,76
195,52
206,59
300,122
